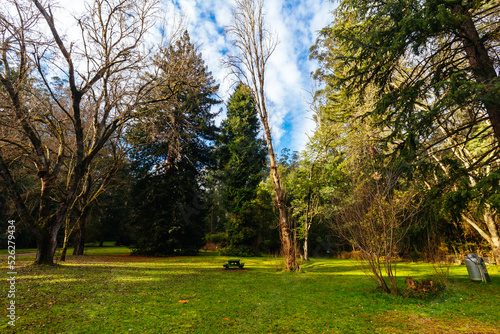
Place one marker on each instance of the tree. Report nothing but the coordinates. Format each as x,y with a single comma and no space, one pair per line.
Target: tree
427,72
465,169
104,169
172,151
304,190
58,127
241,161
407,49
253,46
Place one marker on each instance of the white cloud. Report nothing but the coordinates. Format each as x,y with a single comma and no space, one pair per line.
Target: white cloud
296,22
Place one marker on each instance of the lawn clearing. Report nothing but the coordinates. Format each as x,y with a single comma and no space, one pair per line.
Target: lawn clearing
108,291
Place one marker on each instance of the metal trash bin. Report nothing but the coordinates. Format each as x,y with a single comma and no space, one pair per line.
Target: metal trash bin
476,268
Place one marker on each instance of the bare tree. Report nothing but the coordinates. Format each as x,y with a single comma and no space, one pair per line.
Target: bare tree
253,45
57,127
376,218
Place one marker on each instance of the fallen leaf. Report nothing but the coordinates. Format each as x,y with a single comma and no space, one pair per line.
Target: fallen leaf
183,301
226,319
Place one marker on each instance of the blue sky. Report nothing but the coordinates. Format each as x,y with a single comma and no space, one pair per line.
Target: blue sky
288,86
296,23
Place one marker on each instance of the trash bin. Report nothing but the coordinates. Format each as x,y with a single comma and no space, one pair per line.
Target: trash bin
476,268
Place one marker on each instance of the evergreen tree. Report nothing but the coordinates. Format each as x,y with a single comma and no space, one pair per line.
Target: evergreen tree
427,74
173,146
242,160
406,49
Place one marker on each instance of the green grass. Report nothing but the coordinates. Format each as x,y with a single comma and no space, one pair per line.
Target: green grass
18,251
90,249
108,291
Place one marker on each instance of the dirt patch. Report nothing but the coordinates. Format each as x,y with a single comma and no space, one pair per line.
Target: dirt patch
5,255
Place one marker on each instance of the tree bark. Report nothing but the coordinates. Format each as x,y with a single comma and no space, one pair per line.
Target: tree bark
306,244
307,225
80,238
489,219
288,248
306,228
482,68
46,246
88,128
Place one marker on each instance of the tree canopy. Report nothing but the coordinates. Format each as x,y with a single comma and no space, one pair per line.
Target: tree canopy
173,146
242,160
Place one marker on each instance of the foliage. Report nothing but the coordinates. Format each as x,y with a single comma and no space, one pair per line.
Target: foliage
418,82
241,158
408,49
172,149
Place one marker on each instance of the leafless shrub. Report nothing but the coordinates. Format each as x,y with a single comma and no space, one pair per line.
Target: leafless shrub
375,220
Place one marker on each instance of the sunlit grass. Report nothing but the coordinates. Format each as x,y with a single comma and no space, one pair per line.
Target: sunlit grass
107,291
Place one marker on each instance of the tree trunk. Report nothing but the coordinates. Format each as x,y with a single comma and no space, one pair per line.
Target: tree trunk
482,68
286,236
494,235
46,247
80,238
306,246
65,248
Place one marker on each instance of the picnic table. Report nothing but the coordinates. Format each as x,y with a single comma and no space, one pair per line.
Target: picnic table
234,263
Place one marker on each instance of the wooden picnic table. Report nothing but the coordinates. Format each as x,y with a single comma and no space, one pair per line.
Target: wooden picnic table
234,263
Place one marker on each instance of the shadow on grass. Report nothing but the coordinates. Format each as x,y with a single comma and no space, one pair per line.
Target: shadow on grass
116,293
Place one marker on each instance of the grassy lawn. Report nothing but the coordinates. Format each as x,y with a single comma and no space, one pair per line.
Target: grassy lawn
107,291
19,251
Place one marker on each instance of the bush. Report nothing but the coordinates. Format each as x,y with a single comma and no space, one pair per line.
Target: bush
240,250
216,238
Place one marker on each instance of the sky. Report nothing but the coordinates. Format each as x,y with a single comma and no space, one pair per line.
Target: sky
289,83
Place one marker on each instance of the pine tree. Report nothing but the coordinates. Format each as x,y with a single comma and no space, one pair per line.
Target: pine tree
241,160
173,145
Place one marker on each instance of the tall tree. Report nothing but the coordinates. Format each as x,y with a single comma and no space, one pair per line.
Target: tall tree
173,146
465,171
241,160
253,46
58,127
304,192
406,49
428,75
